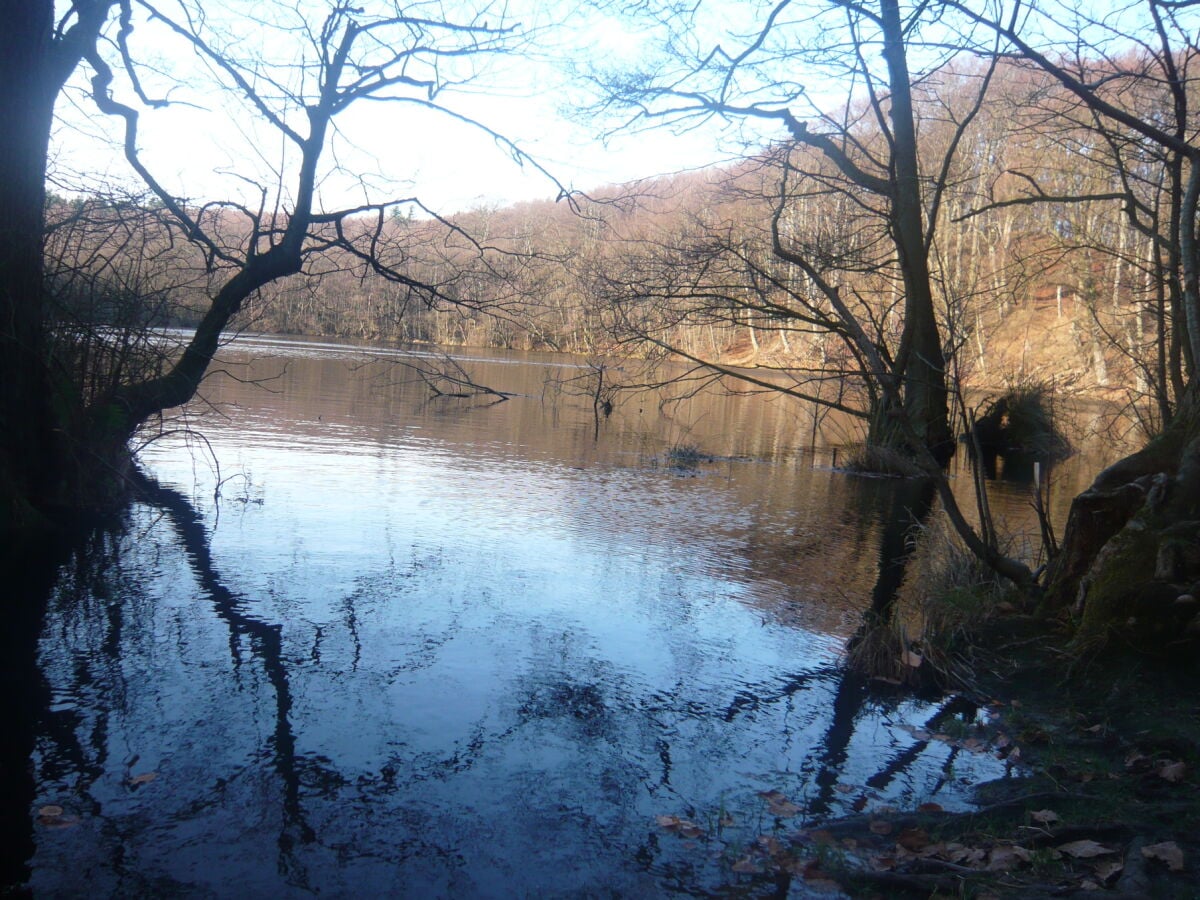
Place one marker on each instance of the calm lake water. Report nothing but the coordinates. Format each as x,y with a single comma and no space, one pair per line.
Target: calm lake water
365,642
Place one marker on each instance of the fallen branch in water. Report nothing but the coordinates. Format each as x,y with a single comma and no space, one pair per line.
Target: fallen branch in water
449,379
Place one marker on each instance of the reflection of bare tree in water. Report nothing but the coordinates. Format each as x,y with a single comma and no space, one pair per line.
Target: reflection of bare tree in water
905,505
849,702
908,506
79,569
293,769
266,643
29,574
878,645
627,740
84,569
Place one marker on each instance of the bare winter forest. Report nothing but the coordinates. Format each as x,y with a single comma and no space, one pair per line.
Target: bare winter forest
1037,273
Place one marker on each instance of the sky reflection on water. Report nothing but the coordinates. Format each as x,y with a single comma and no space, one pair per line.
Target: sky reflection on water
409,653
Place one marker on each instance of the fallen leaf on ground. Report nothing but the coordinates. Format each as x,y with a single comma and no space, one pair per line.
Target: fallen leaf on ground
680,826
880,826
1135,759
779,805
963,855
1045,817
930,808
144,778
770,844
784,809
1085,849
57,822
844,788
1005,859
747,866
1167,852
1172,771
913,839
53,816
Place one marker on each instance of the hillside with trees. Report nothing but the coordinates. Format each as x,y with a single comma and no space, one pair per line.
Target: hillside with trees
1058,290
1036,273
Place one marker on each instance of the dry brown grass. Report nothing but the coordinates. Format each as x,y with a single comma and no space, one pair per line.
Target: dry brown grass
946,602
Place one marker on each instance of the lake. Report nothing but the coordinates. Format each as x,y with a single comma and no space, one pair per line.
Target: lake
363,640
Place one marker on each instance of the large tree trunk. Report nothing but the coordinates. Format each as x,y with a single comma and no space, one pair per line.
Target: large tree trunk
26,109
1130,558
921,365
35,62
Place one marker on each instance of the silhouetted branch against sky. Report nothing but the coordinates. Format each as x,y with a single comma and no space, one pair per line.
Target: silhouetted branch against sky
459,103
481,103
767,67
781,62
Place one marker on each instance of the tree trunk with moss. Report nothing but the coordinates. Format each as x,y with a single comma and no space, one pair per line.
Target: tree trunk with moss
1129,567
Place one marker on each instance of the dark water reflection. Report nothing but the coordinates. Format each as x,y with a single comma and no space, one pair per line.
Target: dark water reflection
448,649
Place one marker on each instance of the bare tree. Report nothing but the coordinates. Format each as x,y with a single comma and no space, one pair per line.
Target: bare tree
290,75
865,146
1131,75
867,151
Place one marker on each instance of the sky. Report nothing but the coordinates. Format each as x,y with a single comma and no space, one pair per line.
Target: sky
207,144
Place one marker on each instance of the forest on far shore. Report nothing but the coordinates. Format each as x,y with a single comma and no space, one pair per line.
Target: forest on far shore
1038,276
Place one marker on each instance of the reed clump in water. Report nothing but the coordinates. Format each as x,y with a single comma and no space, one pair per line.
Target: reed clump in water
948,602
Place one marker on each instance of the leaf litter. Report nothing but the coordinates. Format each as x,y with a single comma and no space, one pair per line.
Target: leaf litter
906,846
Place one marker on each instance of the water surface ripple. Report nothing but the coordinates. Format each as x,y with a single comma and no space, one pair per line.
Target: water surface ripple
453,650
